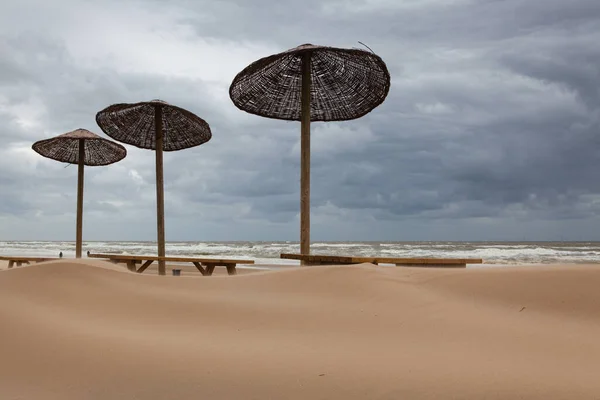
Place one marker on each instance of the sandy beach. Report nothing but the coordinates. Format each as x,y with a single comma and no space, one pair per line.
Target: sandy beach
93,330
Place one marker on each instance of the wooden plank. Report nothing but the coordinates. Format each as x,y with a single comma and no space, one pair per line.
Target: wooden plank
122,257
217,261
317,258
314,258
144,266
420,261
305,155
456,265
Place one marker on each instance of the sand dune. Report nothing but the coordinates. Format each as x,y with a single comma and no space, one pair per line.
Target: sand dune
92,330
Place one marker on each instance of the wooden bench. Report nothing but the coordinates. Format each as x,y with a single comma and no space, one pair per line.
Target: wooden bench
317,259
206,266
25,260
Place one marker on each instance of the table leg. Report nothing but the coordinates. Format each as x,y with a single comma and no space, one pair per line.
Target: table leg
144,266
231,269
210,269
199,266
131,265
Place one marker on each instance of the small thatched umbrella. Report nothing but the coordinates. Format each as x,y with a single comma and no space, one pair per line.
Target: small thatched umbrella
311,83
155,125
80,147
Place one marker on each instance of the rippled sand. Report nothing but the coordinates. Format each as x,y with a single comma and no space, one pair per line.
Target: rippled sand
91,330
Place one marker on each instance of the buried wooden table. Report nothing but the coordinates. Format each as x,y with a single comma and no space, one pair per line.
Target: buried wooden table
25,260
315,259
206,266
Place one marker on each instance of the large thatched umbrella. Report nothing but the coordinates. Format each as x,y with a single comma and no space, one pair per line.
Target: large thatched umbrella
311,83
155,125
80,147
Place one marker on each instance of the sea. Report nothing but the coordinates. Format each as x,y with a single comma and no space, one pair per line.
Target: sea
267,253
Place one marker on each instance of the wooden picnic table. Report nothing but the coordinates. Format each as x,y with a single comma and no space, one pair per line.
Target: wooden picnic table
319,259
12,260
206,266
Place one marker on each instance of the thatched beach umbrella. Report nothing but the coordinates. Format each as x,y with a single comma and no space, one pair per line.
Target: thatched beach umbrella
311,83
80,147
159,126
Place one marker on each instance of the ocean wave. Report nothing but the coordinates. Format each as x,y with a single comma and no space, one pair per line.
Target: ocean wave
269,252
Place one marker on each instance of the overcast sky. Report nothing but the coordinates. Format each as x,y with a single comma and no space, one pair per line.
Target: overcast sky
490,131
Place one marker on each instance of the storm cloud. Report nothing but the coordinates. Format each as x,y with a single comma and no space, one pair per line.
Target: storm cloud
490,131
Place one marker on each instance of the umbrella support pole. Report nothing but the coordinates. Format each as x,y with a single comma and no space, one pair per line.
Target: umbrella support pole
80,165
160,198
305,158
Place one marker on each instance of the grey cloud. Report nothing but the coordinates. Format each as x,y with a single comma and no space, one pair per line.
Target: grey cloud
493,116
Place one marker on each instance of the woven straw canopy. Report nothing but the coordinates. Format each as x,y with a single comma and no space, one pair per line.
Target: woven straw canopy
346,84
134,124
65,148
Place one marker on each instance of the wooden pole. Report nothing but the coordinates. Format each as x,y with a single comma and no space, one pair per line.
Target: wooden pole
79,237
305,158
160,198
